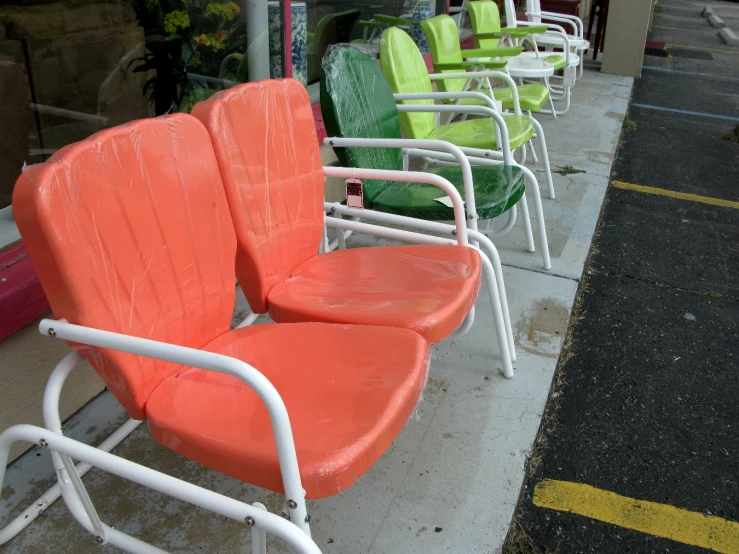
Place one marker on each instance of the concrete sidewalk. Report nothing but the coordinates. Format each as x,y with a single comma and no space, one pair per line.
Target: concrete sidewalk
452,478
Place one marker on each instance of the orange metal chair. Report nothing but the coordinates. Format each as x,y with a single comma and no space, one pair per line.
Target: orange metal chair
265,141
132,240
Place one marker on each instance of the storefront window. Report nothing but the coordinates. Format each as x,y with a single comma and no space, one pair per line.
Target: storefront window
69,68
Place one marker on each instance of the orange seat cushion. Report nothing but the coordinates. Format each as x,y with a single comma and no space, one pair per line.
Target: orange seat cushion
349,390
428,289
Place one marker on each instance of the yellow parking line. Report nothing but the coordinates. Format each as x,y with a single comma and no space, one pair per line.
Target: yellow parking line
660,520
679,195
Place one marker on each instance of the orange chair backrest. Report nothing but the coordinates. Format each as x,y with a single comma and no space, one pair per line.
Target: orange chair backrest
265,140
129,231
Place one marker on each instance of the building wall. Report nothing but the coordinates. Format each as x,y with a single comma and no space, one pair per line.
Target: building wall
26,361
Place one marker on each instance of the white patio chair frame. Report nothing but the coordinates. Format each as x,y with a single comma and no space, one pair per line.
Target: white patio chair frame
576,42
557,92
295,530
491,111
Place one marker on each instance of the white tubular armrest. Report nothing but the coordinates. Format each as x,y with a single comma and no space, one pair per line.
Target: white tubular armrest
558,18
471,110
449,158
410,177
577,20
214,362
187,492
439,145
483,73
554,30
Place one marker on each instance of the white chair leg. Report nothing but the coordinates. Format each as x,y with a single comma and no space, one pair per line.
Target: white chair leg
527,224
258,536
531,180
545,157
498,319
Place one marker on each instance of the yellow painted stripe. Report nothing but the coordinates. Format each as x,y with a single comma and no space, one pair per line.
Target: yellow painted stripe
679,195
660,520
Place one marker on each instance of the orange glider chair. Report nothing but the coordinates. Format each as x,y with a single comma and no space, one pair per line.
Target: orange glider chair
131,237
267,149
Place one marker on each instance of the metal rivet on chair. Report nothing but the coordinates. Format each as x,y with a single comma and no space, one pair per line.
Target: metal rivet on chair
100,540
307,518
250,521
52,333
43,443
292,504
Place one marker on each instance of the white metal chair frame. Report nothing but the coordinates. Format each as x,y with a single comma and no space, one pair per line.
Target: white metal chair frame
294,530
490,110
575,41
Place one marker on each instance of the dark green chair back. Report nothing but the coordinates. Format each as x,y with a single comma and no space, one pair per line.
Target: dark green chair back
356,102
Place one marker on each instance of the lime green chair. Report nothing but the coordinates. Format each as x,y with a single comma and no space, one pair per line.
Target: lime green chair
405,70
487,31
331,29
358,104
446,55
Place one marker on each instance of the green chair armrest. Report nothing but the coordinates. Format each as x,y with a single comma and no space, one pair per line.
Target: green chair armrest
505,52
464,66
529,29
379,24
515,32
390,20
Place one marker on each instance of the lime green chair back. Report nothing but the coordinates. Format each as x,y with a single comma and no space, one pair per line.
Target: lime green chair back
356,102
443,36
331,29
484,18
405,70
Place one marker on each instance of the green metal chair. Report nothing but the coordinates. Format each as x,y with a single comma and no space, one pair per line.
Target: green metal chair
446,55
358,103
405,70
331,29
488,33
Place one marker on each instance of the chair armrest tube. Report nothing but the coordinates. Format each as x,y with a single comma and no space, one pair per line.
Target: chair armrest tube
177,488
390,20
460,217
451,66
574,18
474,74
505,52
477,110
558,18
210,361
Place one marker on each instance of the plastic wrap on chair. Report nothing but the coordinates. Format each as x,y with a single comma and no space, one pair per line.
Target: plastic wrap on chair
428,289
129,232
357,102
349,391
265,141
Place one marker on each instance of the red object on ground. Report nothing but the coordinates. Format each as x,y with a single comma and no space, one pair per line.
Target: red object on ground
21,297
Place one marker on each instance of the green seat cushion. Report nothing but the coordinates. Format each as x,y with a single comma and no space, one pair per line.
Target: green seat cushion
531,97
480,133
497,189
556,60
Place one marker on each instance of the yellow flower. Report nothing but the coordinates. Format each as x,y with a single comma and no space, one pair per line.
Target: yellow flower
233,7
202,39
176,20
